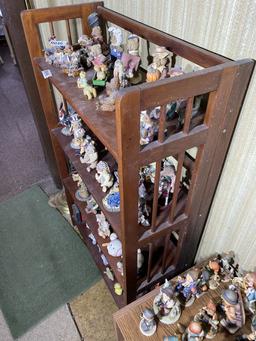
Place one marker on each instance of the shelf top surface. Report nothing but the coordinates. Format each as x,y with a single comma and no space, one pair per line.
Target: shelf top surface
101,123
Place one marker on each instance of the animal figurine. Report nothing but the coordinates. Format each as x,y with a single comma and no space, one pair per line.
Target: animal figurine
107,102
103,175
233,309
114,247
90,156
104,227
88,90
147,322
166,306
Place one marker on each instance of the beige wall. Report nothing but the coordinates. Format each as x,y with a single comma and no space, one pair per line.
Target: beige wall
226,27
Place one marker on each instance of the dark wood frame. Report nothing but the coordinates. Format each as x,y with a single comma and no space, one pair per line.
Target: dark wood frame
226,83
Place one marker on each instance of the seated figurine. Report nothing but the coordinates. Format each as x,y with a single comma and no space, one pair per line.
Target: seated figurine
82,83
187,287
233,309
208,316
103,175
166,306
147,322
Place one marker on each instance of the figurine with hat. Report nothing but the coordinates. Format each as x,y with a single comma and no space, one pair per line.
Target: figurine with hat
194,332
234,310
158,69
187,287
147,323
131,59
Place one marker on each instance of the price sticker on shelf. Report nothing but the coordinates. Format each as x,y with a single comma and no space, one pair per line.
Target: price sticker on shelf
46,73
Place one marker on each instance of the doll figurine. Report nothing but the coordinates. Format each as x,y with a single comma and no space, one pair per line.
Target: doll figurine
233,309
166,306
146,128
147,322
101,72
214,281
194,332
77,130
208,316
82,193
131,59
88,90
116,41
64,119
90,156
103,175
114,247
103,229
250,291
187,287
160,60
167,180
91,205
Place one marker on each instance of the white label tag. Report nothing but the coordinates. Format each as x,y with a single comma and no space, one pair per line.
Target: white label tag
58,43
46,73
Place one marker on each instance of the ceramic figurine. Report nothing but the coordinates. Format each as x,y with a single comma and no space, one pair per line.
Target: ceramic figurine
120,267
101,72
109,274
175,71
160,60
90,156
147,322
140,259
187,287
166,306
103,175
77,130
203,282
114,247
214,281
146,128
250,291
91,236
167,180
88,90
85,42
116,41
229,269
251,336
82,193
64,119
233,309
118,289
208,316
104,260
103,229
131,59
194,332
111,201
91,205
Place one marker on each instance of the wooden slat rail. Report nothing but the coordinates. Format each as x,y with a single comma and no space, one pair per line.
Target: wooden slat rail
178,46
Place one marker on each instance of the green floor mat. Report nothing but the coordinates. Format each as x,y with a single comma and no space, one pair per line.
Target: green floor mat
43,263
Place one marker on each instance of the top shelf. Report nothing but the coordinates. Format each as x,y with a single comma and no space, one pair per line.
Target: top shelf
101,123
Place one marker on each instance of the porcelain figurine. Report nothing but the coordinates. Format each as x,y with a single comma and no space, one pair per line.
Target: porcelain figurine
85,42
114,247
88,90
233,309
187,287
118,289
160,60
91,205
104,227
167,180
214,281
120,267
147,322
208,317
90,156
203,281
146,128
82,193
140,259
104,260
131,59
91,236
166,306
64,119
116,41
103,175
111,201
194,332
109,274
251,336
229,268
175,71
250,291
101,72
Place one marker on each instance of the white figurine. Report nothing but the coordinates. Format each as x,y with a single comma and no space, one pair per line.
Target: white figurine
82,193
120,267
103,229
114,247
90,156
140,259
104,259
91,236
78,132
91,205
109,274
103,175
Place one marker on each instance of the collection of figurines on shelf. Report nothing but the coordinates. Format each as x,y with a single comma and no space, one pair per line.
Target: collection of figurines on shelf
113,66
226,312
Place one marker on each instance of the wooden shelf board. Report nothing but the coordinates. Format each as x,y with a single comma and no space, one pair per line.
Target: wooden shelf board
102,123
119,300
90,219
89,178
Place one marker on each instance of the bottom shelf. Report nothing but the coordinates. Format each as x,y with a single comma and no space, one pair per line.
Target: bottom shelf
119,300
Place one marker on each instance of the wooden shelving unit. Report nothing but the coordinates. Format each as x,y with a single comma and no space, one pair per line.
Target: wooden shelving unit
170,243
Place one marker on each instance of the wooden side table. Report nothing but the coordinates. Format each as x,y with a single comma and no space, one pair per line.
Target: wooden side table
127,319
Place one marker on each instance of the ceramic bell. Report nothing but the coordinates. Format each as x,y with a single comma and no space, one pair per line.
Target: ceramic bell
147,322
166,306
103,175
